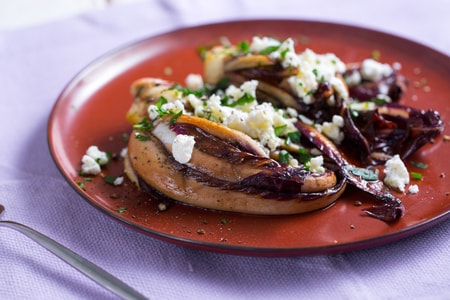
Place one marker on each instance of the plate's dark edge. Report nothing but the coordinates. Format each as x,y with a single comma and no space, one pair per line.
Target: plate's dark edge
222,247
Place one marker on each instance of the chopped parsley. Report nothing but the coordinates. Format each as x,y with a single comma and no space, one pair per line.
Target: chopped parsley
283,53
175,117
142,137
315,72
144,125
416,175
81,185
121,210
293,137
161,101
304,156
379,101
269,50
187,91
278,130
243,47
246,98
109,179
284,157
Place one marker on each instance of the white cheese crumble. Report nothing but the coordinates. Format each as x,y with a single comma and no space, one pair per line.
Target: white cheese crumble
260,43
169,107
194,81
256,120
312,68
316,164
118,180
182,147
413,189
397,175
89,166
93,160
374,71
333,130
123,152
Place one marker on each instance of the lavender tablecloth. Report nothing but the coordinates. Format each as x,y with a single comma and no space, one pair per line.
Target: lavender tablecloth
36,63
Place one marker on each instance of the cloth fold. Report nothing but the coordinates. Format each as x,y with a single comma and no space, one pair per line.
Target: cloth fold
36,63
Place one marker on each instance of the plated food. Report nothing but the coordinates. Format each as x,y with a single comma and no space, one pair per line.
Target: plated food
91,109
272,131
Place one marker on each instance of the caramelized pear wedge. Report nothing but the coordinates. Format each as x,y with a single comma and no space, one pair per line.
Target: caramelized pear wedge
147,91
225,171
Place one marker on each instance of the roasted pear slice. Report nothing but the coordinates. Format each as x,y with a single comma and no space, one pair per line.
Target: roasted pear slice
226,171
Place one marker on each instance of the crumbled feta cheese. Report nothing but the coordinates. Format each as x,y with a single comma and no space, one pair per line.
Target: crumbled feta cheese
314,68
316,164
397,175
362,106
305,120
118,180
124,152
333,129
99,156
259,44
256,120
373,70
413,189
286,53
89,166
354,78
93,160
235,93
194,81
169,107
182,148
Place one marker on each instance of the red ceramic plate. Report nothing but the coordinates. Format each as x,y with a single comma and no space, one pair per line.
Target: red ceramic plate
91,111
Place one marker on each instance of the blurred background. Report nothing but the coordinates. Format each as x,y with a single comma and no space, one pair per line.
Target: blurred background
23,13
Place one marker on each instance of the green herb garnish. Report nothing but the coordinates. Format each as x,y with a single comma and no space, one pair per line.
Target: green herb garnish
187,91
142,137
293,137
81,185
269,50
109,179
121,210
284,157
416,175
316,73
304,156
243,47
283,53
144,125
175,117
379,101
278,130
246,98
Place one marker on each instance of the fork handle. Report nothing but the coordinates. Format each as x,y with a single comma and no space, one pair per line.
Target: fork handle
86,267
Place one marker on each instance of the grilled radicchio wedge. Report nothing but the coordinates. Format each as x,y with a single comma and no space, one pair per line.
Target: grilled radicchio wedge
217,167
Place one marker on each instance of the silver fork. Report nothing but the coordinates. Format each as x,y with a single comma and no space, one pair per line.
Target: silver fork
86,267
